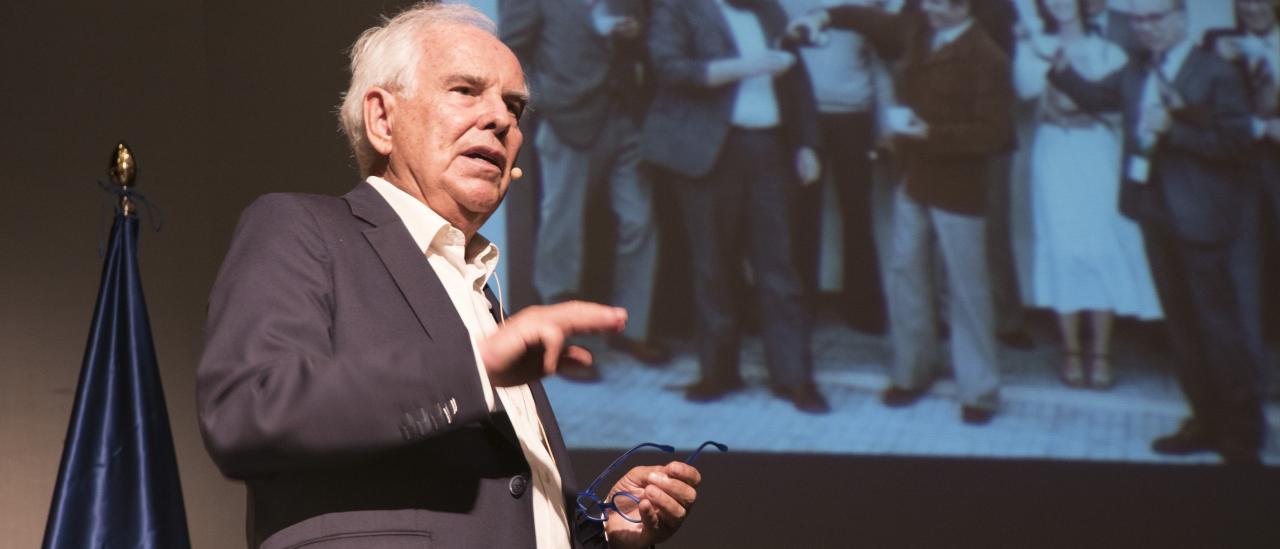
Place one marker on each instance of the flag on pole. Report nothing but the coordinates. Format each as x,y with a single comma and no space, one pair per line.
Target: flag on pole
118,482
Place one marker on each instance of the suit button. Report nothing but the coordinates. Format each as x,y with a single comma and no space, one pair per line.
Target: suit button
518,485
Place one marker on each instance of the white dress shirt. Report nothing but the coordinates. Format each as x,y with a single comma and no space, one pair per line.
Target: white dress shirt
1263,48
755,105
1173,60
946,36
464,269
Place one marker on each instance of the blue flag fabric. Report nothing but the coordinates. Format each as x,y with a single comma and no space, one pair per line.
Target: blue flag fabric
118,482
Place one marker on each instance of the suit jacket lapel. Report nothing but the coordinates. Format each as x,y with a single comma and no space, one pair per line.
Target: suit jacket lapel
1186,71
715,23
952,49
409,268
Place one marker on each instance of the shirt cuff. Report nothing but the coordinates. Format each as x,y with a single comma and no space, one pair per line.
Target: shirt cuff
1259,128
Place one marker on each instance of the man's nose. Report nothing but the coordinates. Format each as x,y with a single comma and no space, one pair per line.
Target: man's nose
497,116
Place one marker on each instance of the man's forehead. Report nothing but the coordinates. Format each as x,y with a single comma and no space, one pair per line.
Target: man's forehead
457,50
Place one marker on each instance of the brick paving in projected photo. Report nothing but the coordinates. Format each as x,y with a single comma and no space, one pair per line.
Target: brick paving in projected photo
1039,416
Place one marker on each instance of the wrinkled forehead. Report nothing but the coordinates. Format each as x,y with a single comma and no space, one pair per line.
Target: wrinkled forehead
454,48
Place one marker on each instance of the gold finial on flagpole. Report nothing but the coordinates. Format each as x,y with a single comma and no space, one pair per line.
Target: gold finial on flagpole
123,171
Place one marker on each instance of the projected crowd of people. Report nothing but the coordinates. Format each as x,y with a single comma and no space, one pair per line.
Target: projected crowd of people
1149,155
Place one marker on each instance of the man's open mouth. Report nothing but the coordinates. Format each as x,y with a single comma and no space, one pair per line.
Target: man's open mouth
492,156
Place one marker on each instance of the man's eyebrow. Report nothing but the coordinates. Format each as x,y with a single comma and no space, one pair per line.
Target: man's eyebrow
521,98
517,96
468,79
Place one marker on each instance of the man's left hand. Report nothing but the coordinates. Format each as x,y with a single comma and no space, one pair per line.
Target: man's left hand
666,494
808,169
548,327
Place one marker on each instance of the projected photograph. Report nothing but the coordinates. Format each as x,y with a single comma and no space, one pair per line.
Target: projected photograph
827,245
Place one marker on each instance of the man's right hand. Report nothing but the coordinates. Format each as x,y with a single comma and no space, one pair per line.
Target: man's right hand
545,327
807,26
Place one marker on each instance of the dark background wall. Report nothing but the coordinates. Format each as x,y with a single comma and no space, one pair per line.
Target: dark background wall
222,101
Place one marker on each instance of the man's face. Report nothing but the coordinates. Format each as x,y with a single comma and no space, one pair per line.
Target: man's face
1158,24
1258,16
944,14
456,138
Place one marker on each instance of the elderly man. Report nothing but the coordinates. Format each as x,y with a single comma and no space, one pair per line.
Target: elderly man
358,376
1257,53
1186,136
956,96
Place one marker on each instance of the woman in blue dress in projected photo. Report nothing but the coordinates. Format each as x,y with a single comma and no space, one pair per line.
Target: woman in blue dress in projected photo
1088,260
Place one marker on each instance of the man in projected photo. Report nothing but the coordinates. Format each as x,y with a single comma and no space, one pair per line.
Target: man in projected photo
733,127
1186,181
582,58
357,374
956,113
1256,52
842,77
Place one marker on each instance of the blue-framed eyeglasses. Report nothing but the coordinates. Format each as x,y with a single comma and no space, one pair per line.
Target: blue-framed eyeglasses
625,503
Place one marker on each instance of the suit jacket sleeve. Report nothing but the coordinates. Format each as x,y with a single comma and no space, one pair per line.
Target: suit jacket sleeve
670,47
271,390
887,32
1100,96
795,95
1220,129
802,115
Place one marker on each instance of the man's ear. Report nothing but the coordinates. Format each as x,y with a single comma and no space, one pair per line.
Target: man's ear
378,105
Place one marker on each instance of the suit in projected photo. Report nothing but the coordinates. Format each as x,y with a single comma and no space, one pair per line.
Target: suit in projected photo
972,228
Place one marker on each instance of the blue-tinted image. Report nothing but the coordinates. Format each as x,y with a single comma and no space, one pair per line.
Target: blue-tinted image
1032,229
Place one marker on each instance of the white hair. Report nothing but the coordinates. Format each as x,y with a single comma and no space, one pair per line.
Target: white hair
388,56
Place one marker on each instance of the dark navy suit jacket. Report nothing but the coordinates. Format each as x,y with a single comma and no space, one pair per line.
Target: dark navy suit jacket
340,384
1199,180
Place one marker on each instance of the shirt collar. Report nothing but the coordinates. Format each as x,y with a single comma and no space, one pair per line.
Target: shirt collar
435,236
943,37
1174,58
